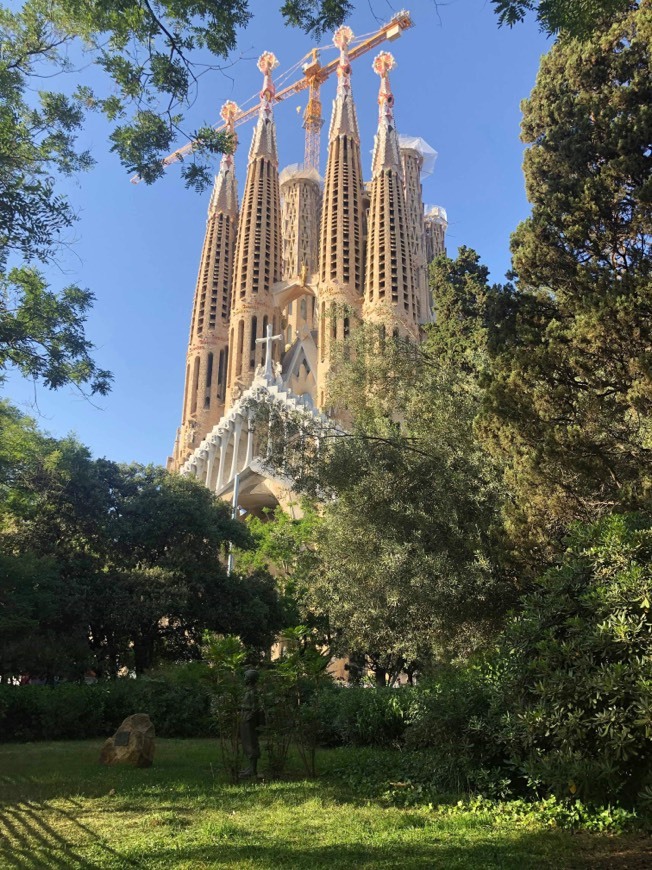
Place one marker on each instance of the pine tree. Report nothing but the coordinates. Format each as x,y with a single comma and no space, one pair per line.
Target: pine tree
571,400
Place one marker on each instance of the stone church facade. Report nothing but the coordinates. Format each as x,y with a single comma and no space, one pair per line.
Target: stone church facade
288,272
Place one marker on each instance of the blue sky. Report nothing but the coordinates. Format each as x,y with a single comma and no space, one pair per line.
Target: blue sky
458,83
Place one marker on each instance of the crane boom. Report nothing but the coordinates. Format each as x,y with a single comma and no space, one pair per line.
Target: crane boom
314,74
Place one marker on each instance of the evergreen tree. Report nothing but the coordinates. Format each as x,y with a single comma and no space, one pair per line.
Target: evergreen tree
571,395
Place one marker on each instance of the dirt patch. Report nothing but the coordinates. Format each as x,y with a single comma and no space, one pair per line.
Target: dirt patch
628,852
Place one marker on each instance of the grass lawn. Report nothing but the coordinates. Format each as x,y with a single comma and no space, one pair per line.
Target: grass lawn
60,808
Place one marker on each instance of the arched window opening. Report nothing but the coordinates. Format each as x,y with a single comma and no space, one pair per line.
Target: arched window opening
195,386
262,346
252,345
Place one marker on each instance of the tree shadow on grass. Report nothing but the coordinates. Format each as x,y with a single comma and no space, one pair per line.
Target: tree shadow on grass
31,839
29,842
32,843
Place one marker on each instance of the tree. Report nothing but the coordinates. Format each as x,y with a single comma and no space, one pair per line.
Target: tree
566,17
42,333
284,544
164,569
571,394
574,671
401,568
153,54
114,565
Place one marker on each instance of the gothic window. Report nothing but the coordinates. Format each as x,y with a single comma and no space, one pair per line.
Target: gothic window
220,375
252,347
264,333
195,385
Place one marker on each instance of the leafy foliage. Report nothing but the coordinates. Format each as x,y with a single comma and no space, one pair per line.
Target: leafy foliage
42,333
562,16
570,396
131,560
575,671
403,569
70,711
316,17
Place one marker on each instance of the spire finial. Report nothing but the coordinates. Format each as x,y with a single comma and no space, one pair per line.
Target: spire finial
342,38
383,64
267,63
227,113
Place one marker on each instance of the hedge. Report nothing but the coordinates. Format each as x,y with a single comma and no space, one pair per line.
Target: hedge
69,711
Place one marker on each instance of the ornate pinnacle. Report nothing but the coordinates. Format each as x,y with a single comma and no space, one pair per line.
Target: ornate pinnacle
382,65
267,62
342,38
228,114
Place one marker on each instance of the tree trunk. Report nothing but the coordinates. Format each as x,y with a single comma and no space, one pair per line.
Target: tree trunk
380,675
143,653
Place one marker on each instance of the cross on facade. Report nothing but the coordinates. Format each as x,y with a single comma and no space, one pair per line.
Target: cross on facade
267,341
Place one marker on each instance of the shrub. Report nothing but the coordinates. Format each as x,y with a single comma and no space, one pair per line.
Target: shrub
455,718
574,681
364,716
69,711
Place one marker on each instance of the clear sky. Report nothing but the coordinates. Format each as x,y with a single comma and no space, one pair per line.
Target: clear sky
458,84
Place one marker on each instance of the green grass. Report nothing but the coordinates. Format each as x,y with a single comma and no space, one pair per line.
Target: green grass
60,808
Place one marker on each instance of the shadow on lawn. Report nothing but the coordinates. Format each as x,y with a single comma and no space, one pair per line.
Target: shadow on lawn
28,842
31,844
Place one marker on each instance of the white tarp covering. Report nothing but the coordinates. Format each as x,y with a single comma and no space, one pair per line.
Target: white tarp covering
298,170
427,152
436,213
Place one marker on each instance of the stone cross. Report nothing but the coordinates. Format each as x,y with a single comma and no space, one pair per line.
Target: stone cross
267,341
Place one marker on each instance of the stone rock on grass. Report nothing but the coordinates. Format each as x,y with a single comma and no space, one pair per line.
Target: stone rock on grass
132,743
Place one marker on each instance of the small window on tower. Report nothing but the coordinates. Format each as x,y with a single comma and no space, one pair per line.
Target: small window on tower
209,371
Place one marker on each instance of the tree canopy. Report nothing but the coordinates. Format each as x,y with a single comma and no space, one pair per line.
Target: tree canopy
111,566
571,392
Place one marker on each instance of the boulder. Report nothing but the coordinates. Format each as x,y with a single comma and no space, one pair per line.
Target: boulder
132,743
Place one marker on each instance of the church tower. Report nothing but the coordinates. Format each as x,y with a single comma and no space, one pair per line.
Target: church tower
412,163
258,247
341,254
300,213
286,278
436,224
207,359
390,297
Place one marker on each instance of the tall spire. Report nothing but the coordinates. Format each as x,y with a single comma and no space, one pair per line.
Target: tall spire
258,248
263,142
225,190
341,255
343,119
387,154
207,358
389,290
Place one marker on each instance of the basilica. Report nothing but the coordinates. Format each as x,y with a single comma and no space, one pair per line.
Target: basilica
288,272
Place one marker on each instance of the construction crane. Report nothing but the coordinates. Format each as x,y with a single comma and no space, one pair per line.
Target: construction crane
314,75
